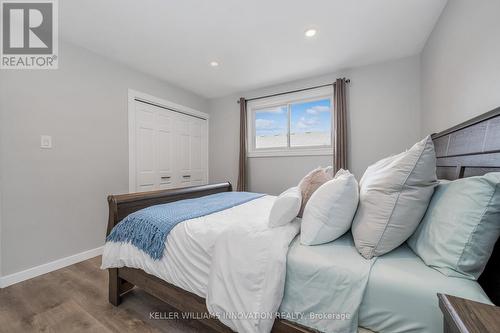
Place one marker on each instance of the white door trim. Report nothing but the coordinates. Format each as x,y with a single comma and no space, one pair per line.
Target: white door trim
134,95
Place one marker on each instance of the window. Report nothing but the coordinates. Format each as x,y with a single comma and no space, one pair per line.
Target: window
271,127
291,124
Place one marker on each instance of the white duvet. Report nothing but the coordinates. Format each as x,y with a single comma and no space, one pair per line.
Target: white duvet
247,277
238,264
231,258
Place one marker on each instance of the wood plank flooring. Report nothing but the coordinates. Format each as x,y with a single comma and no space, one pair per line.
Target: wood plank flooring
75,299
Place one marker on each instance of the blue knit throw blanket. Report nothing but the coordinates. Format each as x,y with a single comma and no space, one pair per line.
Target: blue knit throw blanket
147,229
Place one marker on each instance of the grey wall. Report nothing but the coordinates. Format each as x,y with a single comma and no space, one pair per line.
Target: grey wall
1,192
384,118
461,64
54,201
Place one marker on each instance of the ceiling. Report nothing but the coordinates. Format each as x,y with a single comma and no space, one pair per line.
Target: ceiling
256,42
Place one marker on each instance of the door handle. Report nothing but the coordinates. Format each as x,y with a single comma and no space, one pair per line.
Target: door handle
186,176
165,180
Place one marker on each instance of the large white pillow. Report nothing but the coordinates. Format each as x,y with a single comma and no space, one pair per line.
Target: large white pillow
285,207
330,210
394,194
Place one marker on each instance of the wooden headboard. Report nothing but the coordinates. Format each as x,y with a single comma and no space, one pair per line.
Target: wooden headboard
472,149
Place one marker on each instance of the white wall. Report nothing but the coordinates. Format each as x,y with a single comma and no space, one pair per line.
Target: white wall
54,201
384,118
461,64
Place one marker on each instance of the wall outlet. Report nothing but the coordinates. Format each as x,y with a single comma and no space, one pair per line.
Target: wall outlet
46,142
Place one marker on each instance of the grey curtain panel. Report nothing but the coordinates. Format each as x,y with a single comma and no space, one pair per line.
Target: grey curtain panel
242,169
340,123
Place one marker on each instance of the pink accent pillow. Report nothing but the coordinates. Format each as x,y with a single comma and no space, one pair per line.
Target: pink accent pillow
310,183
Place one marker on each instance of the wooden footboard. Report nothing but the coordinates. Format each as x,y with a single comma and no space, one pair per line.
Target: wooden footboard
121,280
124,204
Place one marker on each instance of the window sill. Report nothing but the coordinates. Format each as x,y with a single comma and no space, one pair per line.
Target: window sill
294,152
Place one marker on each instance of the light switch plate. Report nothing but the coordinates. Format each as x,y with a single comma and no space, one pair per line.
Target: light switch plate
46,142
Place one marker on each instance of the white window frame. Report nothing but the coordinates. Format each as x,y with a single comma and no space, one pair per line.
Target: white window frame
287,99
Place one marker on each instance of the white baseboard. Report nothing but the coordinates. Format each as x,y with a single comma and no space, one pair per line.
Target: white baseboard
30,273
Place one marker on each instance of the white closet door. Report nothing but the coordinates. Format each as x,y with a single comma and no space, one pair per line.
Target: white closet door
165,149
171,148
182,150
197,151
191,150
146,137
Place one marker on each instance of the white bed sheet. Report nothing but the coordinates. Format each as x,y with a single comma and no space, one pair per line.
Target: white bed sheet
189,247
401,294
325,285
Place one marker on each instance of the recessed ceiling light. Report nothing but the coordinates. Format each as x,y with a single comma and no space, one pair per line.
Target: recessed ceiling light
214,63
310,32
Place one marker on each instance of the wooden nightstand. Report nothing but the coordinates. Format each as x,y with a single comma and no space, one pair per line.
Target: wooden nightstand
466,316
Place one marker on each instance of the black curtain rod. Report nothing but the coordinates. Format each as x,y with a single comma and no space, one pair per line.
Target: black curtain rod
293,91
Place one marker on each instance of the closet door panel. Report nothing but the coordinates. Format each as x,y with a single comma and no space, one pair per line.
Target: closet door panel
145,149
195,126
196,154
203,152
146,163
165,150
182,150
183,153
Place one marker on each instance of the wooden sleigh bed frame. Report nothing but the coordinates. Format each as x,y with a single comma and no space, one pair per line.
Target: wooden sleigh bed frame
121,280
468,149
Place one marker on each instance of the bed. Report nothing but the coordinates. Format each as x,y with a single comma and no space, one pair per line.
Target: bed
400,295
469,149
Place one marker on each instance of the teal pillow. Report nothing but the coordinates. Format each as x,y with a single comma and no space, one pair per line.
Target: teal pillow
462,223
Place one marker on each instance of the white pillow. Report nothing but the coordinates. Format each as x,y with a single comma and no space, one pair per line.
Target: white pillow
285,207
329,213
393,196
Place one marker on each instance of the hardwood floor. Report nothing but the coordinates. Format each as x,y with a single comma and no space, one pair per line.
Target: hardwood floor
75,299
